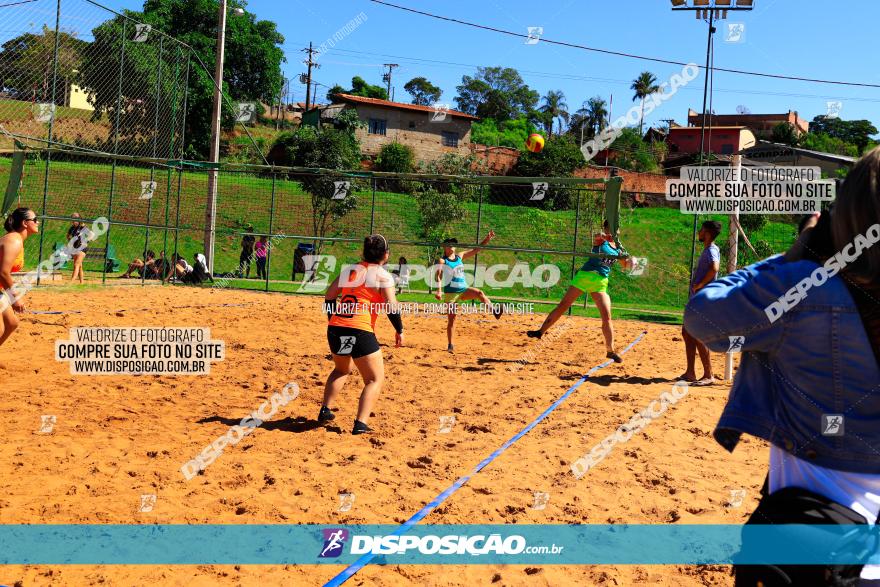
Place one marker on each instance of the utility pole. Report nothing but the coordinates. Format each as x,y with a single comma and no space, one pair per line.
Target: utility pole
311,63
387,77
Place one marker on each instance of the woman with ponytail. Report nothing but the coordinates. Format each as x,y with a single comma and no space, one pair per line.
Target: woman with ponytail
19,225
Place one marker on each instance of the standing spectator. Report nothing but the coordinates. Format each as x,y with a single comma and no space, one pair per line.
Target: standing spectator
401,274
77,236
706,272
807,382
247,253
262,250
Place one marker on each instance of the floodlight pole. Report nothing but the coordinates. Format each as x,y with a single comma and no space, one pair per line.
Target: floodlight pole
214,156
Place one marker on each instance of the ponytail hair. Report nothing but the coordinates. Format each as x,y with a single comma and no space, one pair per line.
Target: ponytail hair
15,221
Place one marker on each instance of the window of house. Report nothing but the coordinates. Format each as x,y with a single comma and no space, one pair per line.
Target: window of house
378,126
412,123
727,149
450,139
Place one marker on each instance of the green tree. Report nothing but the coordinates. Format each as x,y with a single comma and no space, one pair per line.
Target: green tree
325,148
496,92
632,153
437,213
508,133
359,87
422,91
555,108
395,158
27,62
785,133
334,91
252,66
827,144
644,86
854,132
560,157
590,119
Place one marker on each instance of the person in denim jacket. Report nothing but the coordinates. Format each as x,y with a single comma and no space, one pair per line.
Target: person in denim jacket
809,380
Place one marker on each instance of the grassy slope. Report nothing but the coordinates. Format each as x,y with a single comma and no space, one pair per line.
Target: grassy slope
663,235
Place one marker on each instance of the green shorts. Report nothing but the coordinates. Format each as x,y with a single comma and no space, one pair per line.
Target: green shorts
451,297
590,282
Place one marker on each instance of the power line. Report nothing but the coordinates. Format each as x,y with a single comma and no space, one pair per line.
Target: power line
574,77
620,53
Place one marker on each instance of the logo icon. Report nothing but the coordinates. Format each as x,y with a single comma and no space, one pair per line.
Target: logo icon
541,500
148,188
736,344
141,32
736,32
832,424
341,189
43,112
47,424
736,498
346,345
246,112
534,35
334,541
147,503
639,264
346,500
446,424
539,190
440,112
833,108
318,272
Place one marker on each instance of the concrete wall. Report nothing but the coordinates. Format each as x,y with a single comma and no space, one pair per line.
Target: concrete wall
495,160
414,129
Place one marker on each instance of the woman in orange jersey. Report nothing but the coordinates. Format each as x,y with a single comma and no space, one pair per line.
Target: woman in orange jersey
19,225
351,304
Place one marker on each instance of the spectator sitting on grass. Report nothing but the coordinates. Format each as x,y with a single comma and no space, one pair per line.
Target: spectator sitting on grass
139,266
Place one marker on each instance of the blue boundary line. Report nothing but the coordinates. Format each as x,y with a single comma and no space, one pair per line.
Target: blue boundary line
360,563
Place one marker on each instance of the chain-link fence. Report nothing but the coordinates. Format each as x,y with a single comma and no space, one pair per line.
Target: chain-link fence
96,118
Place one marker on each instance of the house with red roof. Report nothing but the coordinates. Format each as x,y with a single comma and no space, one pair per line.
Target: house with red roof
431,131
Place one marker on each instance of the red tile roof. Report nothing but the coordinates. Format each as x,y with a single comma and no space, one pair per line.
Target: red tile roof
398,105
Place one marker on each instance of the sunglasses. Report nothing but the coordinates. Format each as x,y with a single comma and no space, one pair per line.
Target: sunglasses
32,220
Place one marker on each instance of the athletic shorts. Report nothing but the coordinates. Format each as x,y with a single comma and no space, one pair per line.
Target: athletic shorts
450,297
352,342
590,282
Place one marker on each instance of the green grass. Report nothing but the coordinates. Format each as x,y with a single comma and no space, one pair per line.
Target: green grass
663,235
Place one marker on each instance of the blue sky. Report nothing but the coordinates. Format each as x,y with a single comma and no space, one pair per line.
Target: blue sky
808,38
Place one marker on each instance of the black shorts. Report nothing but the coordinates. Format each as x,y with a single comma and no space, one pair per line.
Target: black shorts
351,342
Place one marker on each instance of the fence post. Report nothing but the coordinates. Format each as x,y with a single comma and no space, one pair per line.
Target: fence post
373,204
479,220
271,229
574,246
115,153
179,166
155,146
51,128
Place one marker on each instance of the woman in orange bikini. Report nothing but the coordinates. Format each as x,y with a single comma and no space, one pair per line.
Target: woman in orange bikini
19,225
351,307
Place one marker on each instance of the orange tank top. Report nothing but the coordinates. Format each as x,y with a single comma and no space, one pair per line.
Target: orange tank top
358,295
18,264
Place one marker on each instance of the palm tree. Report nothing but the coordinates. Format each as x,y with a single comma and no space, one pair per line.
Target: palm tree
555,107
644,86
590,119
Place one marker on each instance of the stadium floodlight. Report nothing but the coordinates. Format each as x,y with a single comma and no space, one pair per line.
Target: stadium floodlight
676,3
745,3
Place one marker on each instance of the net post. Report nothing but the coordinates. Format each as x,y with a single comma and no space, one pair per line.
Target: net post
479,222
115,152
373,204
51,129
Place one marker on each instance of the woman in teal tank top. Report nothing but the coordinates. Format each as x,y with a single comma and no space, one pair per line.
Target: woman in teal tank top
452,286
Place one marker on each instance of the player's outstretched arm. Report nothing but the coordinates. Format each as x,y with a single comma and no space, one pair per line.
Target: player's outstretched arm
475,250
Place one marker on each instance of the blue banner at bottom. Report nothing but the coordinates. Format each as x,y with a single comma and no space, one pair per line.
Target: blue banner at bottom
273,544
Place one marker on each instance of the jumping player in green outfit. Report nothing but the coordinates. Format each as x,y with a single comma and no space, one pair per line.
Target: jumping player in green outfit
592,279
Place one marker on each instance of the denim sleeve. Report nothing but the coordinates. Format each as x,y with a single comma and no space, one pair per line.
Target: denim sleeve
735,306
